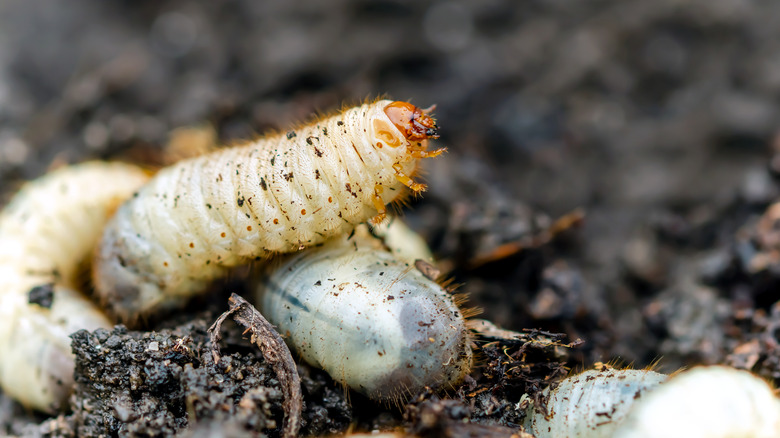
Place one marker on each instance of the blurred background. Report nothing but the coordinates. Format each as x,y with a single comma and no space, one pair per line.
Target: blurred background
656,118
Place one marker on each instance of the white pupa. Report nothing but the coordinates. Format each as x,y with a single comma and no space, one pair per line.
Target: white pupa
373,322
47,232
202,216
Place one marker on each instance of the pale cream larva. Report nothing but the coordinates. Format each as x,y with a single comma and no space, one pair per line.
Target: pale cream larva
198,218
591,404
372,321
47,231
705,402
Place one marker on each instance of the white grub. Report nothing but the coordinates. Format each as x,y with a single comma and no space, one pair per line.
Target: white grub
706,402
591,404
373,322
47,231
204,215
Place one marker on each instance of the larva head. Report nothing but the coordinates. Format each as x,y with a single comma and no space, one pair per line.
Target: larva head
405,129
413,122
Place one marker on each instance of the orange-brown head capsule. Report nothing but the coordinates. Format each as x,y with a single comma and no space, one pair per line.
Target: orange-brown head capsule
415,123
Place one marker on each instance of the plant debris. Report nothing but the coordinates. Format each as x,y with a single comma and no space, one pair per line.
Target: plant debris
275,352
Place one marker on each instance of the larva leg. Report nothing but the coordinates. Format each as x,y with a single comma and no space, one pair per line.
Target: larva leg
407,180
379,204
428,154
47,230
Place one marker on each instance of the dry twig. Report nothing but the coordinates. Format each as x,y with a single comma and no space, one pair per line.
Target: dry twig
274,351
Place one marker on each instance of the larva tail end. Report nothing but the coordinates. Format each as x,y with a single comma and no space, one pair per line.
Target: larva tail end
413,122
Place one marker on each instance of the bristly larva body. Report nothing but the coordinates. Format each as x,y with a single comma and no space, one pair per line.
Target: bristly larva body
202,216
373,322
47,231
591,404
705,402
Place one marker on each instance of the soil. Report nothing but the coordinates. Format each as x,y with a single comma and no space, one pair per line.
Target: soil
657,119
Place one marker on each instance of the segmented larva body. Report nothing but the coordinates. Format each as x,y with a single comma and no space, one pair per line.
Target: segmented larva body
591,404
198,218
373,322
705,402
47,231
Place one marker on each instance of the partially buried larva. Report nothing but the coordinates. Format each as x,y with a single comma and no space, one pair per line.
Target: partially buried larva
372,321
47,231
202,216
704,402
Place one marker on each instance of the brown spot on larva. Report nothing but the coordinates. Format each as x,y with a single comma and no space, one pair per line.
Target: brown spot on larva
219,177
340,123
192,245
165,264
303,211
349,187
288,176
308,139
272,160
330,199
249,228
317,152
325,131
291,135
240,201
357,152
276,221
263,184
316,173
379,145
223,234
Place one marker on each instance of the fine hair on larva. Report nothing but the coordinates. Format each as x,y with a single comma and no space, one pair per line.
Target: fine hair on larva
202,216
47,232
704,402
374,322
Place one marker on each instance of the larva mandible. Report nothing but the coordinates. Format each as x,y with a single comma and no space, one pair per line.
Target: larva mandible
704,402
200,217
372,321
46,232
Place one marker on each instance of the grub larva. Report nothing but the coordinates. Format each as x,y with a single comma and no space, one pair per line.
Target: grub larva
705,402
373,322
591,404
47,231
202,216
